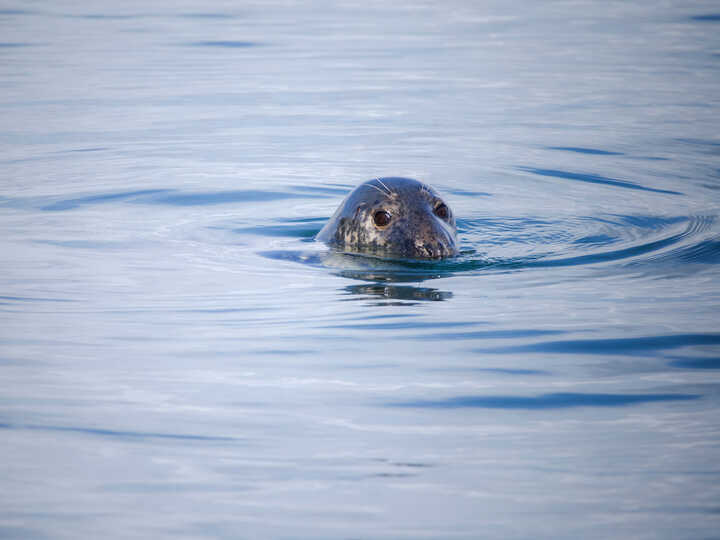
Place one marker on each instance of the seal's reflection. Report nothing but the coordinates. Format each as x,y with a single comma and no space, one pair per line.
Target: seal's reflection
399,292
381,275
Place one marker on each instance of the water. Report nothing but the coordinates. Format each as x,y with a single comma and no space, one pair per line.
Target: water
180,360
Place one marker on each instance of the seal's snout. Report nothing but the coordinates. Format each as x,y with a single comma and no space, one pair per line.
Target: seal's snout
439,245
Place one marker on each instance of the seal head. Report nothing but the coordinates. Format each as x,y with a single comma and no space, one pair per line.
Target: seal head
393,217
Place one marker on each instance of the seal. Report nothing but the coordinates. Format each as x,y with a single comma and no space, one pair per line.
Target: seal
394,218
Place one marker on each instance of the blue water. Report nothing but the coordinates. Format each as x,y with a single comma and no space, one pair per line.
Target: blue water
179,359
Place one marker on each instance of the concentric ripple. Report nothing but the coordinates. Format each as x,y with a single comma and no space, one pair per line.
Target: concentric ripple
518,243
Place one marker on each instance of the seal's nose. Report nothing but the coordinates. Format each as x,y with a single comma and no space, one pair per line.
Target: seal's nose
435,242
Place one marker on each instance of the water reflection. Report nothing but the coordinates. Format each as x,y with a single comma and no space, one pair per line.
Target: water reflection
365,268
399,292
381,273
387,277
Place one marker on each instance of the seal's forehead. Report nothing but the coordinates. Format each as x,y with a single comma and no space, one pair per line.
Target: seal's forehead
394,186
389,192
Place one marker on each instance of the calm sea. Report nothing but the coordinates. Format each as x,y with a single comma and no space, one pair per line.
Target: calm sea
179,358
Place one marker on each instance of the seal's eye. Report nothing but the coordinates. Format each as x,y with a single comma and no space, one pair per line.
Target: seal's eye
381,218
442,211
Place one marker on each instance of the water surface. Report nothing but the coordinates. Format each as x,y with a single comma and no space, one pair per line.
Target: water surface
180,360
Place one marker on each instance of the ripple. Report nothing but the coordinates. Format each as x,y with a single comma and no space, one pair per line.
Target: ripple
561,400
491,334
511,243
31,299
69,204
703,252
696,363
404,325
595,179
501,371
595,240
305,228
171,197
223,197
224,44
614,346
224,16
585,150
467,193
104,16
571,243
119,434
710,17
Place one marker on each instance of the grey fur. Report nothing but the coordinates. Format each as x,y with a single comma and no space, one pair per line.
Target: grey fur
414,231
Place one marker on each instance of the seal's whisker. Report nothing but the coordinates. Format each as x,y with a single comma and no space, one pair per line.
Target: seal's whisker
375,187
383,185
